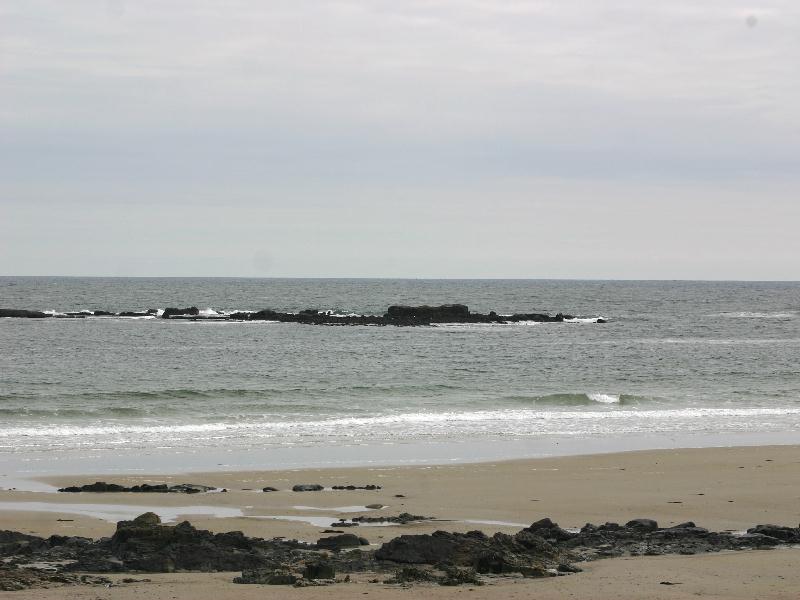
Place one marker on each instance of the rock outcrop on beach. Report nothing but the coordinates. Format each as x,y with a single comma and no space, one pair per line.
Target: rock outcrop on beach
145,488
544,549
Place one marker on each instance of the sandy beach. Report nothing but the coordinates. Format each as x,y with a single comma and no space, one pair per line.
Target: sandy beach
718,488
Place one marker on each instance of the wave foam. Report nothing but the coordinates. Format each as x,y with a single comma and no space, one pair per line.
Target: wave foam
604,398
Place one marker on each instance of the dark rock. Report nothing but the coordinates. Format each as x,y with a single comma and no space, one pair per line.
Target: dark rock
174,312
267,577
642,524
340,542
269,489
459,576
103,313
548,530
500,553
402,518
23,314
432,314
787,534
98,486
319,570
163,488
370,486
308,487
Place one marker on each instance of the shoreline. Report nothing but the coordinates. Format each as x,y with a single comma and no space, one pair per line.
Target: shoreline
722,488
23,470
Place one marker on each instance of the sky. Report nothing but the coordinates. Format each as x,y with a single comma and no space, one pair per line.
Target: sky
600,139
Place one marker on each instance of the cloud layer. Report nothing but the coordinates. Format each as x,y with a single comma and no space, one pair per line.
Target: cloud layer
440,138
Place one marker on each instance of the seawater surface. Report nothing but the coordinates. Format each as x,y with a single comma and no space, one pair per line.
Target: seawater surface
675,358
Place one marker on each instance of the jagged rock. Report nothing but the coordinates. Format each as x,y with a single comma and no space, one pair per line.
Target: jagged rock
548,530
308,487
541,550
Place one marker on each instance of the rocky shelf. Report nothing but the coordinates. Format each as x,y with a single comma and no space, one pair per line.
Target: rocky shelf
396,315
542,550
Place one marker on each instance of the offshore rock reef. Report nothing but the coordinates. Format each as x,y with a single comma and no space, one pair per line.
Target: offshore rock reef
397,315
542,550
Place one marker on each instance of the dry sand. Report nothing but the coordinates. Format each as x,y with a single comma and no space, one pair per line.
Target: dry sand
719,488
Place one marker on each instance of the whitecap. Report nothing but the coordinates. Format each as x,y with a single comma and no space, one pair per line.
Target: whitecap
604,398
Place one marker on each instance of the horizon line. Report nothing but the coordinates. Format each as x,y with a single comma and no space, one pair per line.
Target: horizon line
405,278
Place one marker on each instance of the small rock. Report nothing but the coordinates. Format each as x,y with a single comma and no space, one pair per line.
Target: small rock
308,487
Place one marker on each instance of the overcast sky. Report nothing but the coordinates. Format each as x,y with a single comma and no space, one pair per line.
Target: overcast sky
436,138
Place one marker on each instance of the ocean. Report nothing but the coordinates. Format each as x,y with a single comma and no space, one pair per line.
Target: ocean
677,363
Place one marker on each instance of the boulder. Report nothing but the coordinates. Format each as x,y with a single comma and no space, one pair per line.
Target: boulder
787,534
642,524
308,487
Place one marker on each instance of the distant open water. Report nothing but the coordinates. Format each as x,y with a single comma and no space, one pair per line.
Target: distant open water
683,357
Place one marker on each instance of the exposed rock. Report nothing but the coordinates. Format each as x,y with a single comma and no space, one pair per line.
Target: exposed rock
174,312
399,316
319,570
308,487
541,550
269,489
786,534
356,487
402,518
163,488
643,524
13,579
432,314
267,577
23,314
341,542
500,553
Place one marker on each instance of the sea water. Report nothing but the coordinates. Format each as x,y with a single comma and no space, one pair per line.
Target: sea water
677,363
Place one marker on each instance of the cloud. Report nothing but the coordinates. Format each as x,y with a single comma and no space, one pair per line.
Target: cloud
292,105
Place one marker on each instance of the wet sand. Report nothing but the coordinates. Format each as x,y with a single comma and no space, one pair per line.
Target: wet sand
718,488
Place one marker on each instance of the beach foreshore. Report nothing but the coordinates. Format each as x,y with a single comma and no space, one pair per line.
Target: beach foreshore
719,488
